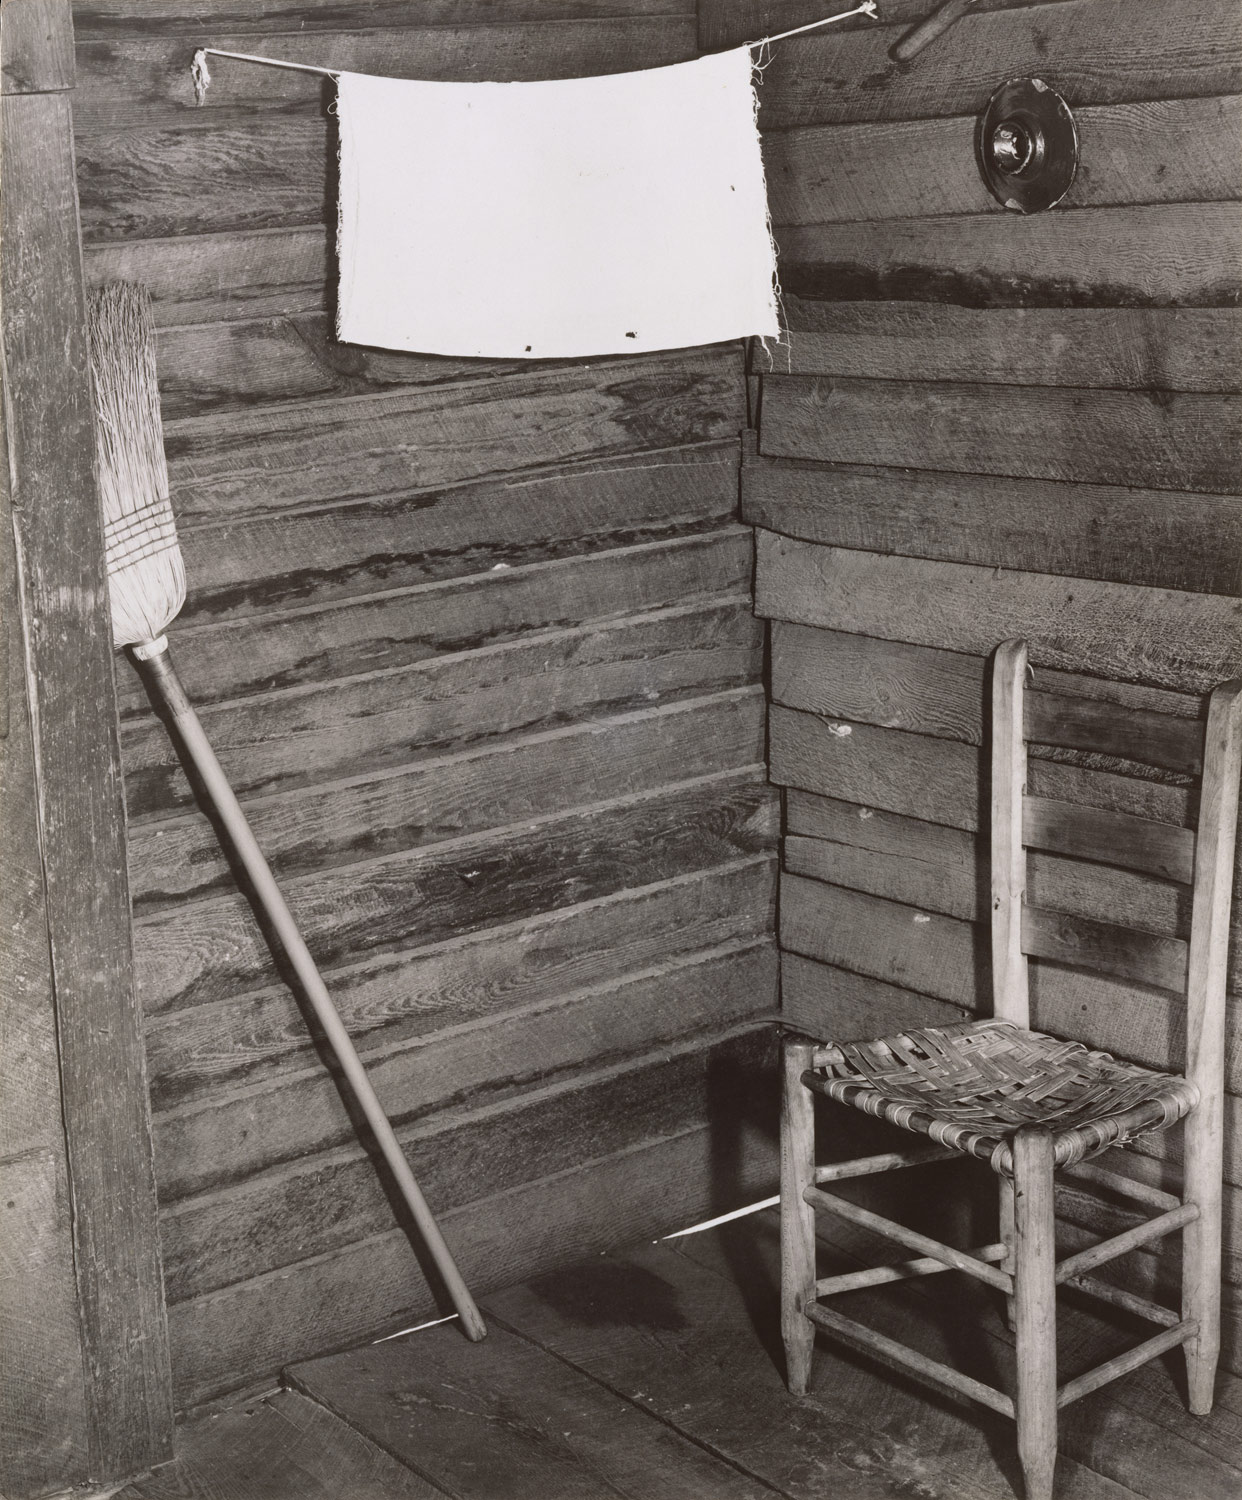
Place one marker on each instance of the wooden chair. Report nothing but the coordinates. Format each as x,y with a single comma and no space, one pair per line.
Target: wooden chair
1028,1104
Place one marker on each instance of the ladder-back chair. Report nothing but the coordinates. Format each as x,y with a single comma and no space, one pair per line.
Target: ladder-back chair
1029,1104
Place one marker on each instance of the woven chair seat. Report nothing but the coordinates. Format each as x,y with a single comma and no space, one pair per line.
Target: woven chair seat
972,1086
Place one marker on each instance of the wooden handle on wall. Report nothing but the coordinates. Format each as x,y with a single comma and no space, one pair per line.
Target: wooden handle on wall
929,29
162,680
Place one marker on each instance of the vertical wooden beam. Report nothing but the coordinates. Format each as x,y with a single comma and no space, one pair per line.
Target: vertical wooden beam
1205,1037
1035,1307
1010,995
797,1216
68,655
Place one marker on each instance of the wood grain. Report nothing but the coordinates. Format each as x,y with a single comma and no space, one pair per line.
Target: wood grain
452,797
209,278
380,721
132,78
521,1423
234,465
50,432
375,1287
1180,441
38,48
1135,348
1189,642
1168,151
928,691
395,627
1093,51
1109,838
473,532
43,1414
1157,256
211,949
1108,532
1141,956
286,1447
198,1054
279,1218
729,23
234,1135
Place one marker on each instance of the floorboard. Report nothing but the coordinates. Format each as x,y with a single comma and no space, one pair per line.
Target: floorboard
283,1448
656,1373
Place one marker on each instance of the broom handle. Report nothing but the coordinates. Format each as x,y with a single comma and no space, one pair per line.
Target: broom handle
159,674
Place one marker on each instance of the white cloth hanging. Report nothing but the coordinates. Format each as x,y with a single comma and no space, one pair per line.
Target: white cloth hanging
584,216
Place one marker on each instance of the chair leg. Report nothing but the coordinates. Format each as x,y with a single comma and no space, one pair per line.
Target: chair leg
1201,1251
1035,1306
1007,1239
797,1217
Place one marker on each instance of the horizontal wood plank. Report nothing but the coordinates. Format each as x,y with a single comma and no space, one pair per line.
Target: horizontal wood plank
899,686
1134,348
396,627
226,1339
380,721
830,1003
1109,838
216,277
1167,151
232,465
1103,946
944,870
105,18
729,23
534,776
470,533
1164,255
198,1054
1181,441
1093,51
210,949
210,366
1109,532
939,780
459,1156
238,1134
132,77
1189,642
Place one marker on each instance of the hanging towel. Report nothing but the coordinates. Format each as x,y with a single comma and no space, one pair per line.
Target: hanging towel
577,217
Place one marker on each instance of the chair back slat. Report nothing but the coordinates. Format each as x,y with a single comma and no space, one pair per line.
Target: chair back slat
1109,838
1140,734
1145,957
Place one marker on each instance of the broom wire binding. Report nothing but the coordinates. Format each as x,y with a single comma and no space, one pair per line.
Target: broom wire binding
146,574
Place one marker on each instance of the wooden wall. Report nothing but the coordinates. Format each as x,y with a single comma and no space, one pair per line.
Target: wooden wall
475,643
987,426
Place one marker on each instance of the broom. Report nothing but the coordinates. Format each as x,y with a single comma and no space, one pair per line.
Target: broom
146,585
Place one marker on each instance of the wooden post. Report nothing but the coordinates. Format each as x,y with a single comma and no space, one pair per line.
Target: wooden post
66,637
1010,999
1205,1037
1035,1306
797,1216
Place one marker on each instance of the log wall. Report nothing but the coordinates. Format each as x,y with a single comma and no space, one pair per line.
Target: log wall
474,641
985,426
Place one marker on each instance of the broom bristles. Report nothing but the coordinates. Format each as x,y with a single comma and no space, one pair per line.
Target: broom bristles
146,575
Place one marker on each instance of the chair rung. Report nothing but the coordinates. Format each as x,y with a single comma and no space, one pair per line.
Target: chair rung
850,1281
958,1260
1083,1385
864,1166
1139,1306
871,1342
1106,1250
1126,1187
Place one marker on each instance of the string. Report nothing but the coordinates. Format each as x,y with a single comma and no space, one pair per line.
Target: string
867,8
201,74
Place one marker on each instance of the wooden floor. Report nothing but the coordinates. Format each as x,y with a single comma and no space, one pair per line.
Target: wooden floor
655,1374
